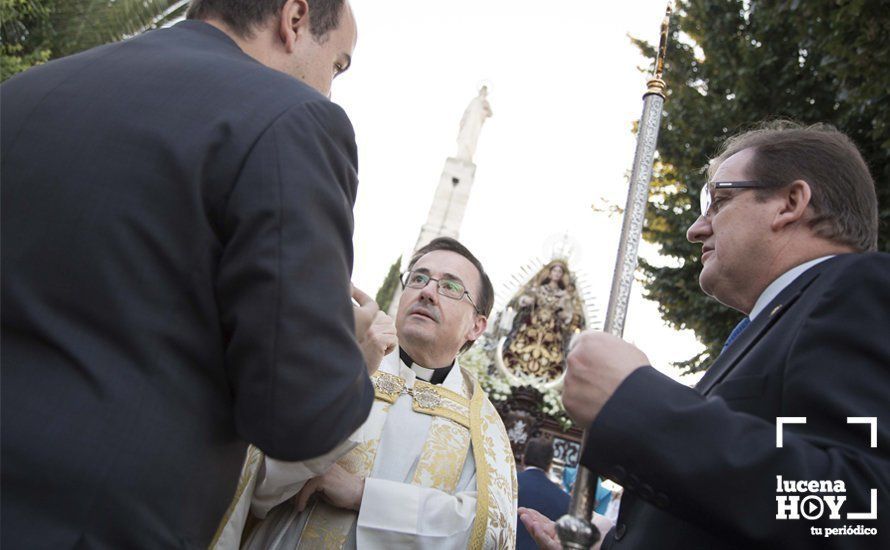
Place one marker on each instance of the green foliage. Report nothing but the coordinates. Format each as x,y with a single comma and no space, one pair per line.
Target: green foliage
83,24
388,288
35,31
814,61
23,24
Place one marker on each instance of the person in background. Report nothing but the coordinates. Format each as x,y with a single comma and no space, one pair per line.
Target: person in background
536,490
788,228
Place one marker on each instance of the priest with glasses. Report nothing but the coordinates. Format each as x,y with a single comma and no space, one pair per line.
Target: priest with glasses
432,466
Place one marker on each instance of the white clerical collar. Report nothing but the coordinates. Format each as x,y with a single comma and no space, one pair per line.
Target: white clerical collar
423,373
433,376
777,286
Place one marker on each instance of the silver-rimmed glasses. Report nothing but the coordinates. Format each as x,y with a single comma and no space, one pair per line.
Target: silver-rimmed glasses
446,286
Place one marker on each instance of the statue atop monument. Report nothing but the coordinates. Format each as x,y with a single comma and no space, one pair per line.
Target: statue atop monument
471,125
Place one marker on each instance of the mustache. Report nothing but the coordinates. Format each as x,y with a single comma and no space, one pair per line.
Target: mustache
429,311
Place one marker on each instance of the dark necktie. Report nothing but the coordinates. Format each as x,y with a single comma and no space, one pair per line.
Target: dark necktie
739,328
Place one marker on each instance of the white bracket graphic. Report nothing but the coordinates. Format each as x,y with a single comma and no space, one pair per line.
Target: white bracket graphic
781,421
872,514
872,421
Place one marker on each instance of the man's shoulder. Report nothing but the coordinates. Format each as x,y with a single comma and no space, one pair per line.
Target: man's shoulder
193,61
856,271
533,475
539,481
525,474
483,406
206,57
229,69
487,403
854,258
846,291
843,263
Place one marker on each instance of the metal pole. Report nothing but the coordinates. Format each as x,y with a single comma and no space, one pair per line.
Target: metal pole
576,532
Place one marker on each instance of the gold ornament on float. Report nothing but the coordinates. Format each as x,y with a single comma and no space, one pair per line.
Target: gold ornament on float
538,324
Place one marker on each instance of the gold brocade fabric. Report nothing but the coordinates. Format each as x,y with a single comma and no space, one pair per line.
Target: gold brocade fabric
328,526
537,344
225,538
462,420
439,465
445,449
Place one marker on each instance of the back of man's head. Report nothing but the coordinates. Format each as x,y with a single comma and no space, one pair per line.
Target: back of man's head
244,16
539,453
843,200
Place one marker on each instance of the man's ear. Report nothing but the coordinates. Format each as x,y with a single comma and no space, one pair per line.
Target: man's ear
797,197
293,21
479,326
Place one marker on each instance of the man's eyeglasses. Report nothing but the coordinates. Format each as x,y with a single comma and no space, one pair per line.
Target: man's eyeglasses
708,190
450,288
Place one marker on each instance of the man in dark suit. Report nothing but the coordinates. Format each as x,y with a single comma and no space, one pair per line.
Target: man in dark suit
177,224
536,491
789,218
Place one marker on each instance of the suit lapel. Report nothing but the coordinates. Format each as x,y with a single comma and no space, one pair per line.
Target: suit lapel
751,335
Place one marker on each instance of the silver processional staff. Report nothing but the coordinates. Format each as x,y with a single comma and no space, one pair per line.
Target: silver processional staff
576,532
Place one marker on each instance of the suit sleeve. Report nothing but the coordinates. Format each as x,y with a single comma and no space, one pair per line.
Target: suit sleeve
696,458
298,375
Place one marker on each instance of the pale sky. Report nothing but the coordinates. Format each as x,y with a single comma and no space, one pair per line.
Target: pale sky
565,90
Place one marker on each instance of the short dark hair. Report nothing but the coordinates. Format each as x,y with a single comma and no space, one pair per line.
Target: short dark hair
843,191
539,453
242,16
485,301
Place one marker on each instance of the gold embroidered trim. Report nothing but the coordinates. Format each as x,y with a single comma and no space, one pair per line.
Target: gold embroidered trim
327,527
461,419
427,398
445,393
388,387
247,471
483,476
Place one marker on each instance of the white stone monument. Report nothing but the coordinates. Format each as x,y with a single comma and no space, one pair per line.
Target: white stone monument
453,192
450,200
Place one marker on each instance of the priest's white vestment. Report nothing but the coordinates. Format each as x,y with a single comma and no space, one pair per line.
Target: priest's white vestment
439,472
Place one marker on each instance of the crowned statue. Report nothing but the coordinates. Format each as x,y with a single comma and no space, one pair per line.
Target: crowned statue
539,323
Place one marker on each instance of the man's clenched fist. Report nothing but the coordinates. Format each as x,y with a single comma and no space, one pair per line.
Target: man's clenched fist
597,365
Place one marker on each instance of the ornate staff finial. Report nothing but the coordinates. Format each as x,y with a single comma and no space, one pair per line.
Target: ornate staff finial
663,43
574,529
656,84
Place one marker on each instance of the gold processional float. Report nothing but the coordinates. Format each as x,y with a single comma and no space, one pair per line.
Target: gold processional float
521,360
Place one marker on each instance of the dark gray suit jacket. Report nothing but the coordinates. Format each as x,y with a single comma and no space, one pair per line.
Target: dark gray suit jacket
537,492
176,256
699,465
